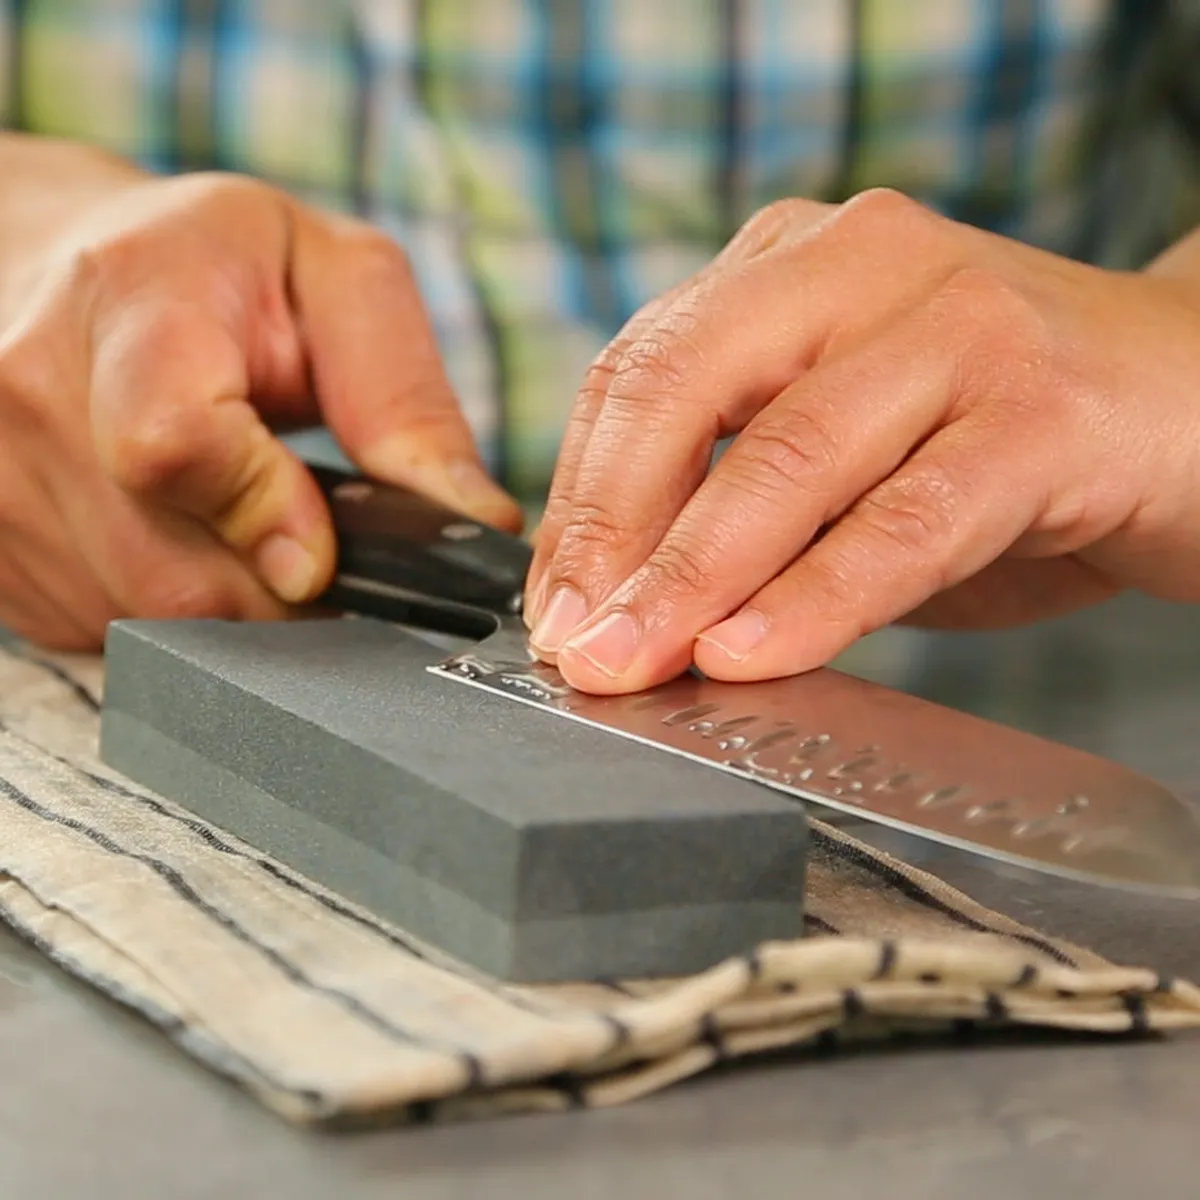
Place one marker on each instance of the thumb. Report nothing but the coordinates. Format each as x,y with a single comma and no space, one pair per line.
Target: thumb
174,428
379,377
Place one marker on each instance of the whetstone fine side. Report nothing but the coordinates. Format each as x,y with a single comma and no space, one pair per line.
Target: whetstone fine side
526,845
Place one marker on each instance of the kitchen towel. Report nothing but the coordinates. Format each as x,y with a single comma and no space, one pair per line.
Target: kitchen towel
329,1016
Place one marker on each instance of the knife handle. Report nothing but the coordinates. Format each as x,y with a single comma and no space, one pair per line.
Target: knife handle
406,558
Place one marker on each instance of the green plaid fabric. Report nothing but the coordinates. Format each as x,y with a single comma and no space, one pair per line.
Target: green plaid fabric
551,164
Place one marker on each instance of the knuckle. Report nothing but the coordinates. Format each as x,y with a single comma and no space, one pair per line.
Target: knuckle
783,456
380,262
624,353
603,367
556,515
150,441
682,566
770,223
591,528
885,208
219,194
774,214
177,226
917,512
655,369
148,454
123,277
110,264
226,187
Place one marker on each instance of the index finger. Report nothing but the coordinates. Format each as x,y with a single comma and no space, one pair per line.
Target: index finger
575,439
378,372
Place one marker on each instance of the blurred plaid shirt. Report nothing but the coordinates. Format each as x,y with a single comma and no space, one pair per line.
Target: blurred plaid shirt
552,164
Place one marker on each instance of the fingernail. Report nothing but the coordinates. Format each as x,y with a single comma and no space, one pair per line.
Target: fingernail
610,645
564,614
737,636
288,568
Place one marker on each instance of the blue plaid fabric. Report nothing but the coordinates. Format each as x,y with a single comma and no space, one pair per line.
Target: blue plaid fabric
552,164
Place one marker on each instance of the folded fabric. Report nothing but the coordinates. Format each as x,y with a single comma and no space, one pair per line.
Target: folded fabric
326,1014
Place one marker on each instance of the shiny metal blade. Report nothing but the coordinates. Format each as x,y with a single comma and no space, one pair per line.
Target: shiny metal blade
852,746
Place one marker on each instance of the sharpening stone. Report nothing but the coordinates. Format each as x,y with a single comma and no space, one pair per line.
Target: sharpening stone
526,845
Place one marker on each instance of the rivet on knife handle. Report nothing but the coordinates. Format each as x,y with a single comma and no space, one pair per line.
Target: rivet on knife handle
405,557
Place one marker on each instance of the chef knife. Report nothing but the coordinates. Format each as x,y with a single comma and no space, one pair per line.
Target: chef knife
826,738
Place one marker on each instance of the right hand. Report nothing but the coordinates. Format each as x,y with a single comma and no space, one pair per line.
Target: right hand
157,338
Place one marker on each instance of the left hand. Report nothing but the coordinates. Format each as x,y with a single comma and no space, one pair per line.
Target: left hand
934,423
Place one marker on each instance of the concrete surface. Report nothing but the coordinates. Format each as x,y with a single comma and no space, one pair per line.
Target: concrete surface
94,1105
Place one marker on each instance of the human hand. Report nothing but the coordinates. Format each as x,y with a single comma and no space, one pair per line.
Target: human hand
933,424
158,340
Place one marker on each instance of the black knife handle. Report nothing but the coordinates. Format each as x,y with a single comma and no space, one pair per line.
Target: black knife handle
404,557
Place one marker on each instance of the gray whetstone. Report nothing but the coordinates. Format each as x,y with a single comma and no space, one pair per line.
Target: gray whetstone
524,844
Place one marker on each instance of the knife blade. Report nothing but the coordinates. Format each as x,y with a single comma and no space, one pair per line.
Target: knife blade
826,738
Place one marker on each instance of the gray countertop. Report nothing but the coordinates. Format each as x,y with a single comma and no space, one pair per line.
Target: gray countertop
94,1104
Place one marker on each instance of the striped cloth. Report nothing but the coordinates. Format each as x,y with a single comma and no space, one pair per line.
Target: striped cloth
327,1015
550,165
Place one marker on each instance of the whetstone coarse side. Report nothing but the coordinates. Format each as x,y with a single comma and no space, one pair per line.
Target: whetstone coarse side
526,845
